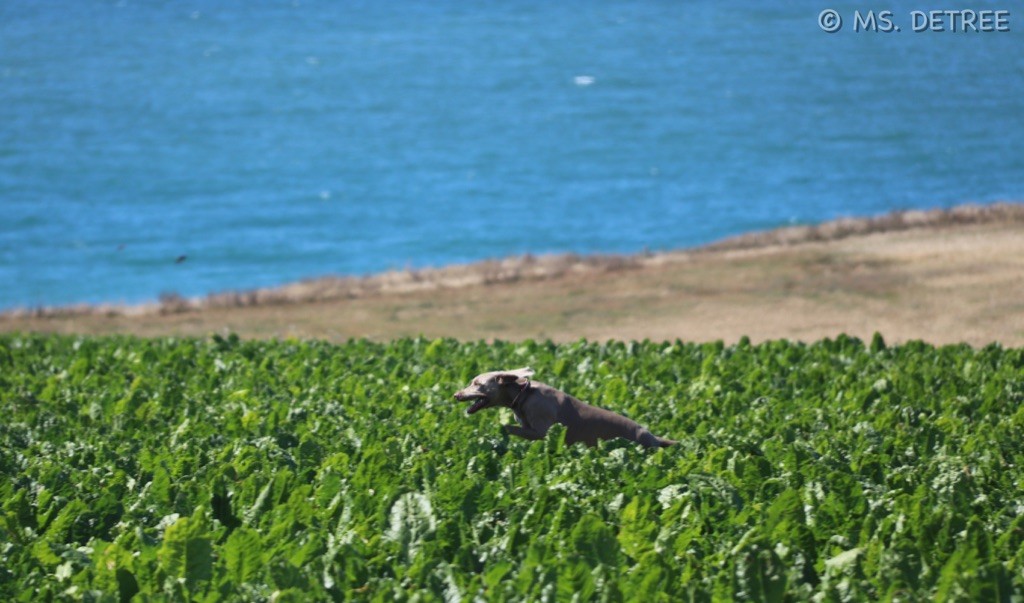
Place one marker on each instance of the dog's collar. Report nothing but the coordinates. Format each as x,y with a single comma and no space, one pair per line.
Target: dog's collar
517,405
516,402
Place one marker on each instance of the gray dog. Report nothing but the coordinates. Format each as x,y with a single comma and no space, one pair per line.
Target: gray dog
537,407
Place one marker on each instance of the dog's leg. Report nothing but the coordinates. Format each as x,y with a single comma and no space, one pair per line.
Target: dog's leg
523,432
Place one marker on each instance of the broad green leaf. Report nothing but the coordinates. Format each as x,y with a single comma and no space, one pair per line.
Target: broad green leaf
187,552
242,553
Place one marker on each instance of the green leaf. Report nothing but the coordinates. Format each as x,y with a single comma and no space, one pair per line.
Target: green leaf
187,552
412,521
496,572
243,555
636,532
594,540
575,582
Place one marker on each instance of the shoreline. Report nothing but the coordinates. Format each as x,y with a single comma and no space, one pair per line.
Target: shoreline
528,267
941,276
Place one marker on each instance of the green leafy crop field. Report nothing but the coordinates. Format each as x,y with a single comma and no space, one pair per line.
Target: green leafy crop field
225,469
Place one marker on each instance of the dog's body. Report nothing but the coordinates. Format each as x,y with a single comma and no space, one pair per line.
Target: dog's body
537,407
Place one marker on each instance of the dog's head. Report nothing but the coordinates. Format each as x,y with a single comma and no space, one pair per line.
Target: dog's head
497,388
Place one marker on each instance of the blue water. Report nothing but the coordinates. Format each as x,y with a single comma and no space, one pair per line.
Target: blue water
274,141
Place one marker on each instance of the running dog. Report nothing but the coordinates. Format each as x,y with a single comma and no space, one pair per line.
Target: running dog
537,407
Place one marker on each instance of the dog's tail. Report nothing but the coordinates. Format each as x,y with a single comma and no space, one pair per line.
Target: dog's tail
649,440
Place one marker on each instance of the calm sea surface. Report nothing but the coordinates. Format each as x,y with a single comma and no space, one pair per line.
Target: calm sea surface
272,141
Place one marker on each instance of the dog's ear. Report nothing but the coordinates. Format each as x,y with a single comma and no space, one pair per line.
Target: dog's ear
516,376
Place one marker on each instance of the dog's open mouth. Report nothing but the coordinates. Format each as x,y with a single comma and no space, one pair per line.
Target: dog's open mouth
477,405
